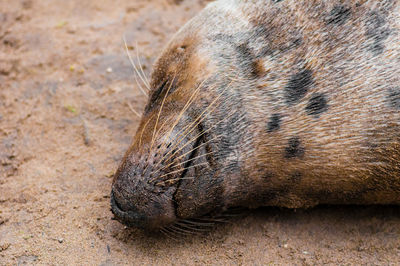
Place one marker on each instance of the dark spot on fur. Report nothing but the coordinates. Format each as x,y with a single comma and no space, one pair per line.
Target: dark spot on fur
394,97
317,104
294,148
274,122
298,86
244,51
338,15
257,68
248,62
376,32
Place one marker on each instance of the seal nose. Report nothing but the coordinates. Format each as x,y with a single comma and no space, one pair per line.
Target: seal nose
143,187
126,216
114,204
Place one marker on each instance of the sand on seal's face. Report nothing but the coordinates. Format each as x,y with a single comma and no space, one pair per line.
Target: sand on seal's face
54,205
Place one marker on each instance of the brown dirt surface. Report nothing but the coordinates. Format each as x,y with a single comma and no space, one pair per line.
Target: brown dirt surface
65,122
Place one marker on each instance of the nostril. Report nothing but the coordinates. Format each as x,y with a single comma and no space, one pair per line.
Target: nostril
115,205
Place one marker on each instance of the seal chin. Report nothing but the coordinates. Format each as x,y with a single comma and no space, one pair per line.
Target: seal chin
131,217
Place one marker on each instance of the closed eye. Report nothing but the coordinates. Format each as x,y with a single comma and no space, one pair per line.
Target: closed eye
158,91
155,95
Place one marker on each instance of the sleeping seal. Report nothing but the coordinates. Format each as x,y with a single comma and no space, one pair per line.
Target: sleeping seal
287,103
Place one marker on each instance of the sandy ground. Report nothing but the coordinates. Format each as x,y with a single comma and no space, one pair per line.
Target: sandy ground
65,85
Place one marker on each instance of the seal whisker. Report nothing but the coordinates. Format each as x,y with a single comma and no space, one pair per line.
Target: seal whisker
141,133
135,68
140,65
185,231
180,170
183,155
177,119
200,117
209,224
159,112
181,139
158,117
214,220
132,109
162,126
186,106
196,137
193,227
174,231
197,121
175,179
203,155
168,234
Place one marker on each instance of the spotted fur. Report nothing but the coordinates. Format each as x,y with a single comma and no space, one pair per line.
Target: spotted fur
295,103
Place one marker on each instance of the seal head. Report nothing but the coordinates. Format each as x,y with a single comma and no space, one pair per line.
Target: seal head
268,103
169,174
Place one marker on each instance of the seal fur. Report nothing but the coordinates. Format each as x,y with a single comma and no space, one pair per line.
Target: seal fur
268,103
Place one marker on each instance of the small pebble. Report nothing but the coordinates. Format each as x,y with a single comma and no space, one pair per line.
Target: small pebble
109,70
60,240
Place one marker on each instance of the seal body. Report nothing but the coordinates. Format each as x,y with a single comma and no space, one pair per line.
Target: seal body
268,103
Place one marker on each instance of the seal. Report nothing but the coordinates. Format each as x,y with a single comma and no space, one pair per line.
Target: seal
289,103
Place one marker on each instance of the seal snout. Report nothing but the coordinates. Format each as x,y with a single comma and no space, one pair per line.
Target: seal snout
140,197
136,211
127,217
146,183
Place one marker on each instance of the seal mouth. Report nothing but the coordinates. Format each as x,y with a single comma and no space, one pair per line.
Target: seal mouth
198,147
194,225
